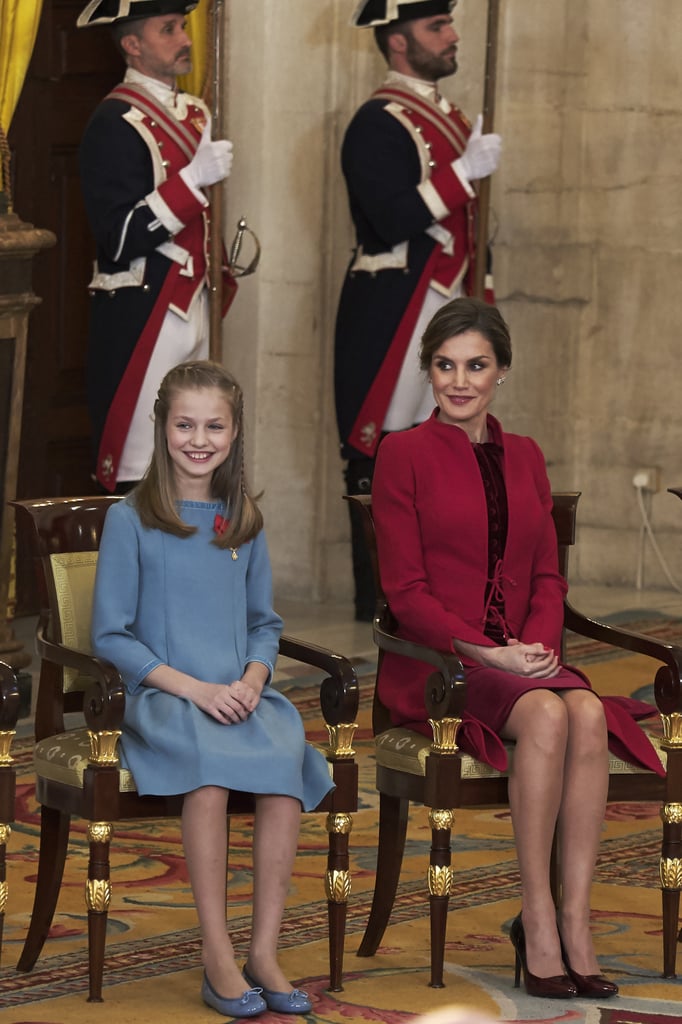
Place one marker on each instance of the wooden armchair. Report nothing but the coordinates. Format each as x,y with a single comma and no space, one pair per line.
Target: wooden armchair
410,767
9,713
84,778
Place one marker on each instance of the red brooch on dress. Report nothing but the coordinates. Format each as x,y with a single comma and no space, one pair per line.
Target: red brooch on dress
220,525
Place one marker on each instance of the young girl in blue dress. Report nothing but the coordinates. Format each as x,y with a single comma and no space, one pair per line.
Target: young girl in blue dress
183,608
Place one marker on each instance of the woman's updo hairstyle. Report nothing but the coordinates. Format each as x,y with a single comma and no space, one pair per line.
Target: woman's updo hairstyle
462,315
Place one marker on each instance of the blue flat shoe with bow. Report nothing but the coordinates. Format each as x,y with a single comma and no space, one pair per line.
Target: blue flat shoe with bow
249,1004
281,1002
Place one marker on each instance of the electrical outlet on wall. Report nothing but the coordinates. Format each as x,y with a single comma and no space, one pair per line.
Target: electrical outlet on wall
648,478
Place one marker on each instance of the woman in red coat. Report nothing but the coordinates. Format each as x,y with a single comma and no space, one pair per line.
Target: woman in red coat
468,557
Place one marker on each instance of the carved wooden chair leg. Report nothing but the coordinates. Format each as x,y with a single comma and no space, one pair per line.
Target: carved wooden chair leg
5,833
7,797
97,898
54,838
671,881
9,713
441,791
671,910
440,887
338,890
671,845
393,816
339,825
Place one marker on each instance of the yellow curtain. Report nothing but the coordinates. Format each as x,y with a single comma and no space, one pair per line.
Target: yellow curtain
18,27
199,27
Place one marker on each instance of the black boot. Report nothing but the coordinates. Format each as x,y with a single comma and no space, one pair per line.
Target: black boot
358,475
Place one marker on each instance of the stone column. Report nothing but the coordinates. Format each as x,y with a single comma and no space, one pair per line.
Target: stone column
19,243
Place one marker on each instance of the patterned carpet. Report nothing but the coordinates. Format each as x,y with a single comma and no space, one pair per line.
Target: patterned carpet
152,971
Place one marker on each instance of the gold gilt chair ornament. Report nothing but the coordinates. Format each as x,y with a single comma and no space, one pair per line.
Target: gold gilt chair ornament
672,731
445,734
103,747
6,739
341,739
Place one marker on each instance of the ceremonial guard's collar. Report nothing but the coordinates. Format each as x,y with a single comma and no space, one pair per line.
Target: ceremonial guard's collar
165,95
429,90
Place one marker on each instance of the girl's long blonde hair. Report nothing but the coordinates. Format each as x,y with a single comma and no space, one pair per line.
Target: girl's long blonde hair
155,497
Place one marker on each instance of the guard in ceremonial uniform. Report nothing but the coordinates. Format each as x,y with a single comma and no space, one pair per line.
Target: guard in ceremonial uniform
409,158
145,159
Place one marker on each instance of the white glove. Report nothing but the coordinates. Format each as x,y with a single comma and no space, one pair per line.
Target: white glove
482,154
212,161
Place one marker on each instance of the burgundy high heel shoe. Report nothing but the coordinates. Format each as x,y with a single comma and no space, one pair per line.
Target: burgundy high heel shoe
559,986
594,986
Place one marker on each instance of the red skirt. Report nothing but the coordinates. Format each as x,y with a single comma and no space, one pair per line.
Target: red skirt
492,693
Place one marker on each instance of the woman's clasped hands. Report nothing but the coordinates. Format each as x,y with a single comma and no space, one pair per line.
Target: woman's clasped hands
228,703
534,661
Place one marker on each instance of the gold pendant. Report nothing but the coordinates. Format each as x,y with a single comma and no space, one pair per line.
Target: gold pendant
235,556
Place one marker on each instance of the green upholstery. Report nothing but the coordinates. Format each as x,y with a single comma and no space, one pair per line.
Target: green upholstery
74,579
406,751
63,758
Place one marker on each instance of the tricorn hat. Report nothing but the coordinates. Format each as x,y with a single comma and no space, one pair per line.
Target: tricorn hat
370,13
106,12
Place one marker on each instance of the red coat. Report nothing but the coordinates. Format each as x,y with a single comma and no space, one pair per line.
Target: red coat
432,534
431,519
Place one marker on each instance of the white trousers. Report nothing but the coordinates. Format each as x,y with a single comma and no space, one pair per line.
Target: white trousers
412,400
179,340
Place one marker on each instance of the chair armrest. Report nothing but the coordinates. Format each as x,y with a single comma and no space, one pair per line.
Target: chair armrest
445,692
667,688
104,699
9,698
339,692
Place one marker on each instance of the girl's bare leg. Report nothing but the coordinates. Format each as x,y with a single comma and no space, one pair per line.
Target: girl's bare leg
275,842
204,837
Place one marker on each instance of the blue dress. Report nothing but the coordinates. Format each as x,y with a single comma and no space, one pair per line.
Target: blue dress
182,601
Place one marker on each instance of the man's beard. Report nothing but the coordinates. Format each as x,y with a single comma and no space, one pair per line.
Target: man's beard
184,57
427,65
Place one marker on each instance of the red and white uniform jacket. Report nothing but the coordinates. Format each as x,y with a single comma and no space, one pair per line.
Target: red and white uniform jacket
415,225
151,235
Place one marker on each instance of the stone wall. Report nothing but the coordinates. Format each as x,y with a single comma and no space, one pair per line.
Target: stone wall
586,210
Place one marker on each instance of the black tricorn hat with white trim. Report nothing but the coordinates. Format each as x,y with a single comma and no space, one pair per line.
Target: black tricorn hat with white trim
107,12
370,13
